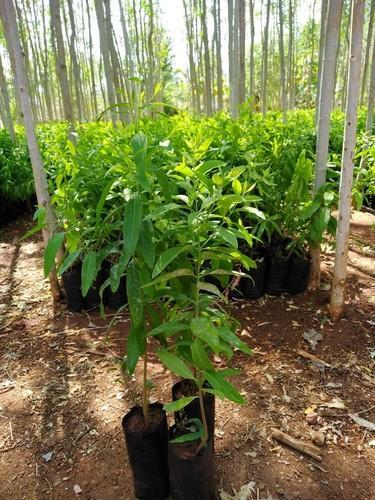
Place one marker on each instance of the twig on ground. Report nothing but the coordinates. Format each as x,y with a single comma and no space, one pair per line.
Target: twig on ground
307,448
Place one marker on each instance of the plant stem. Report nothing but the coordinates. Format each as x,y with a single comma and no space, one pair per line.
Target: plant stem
204,421
145,389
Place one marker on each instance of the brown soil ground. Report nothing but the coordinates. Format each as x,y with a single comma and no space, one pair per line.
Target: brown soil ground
62,395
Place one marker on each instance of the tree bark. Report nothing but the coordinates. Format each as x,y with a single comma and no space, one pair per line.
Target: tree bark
323,20
219,64
347,164
324,114
370,34
242,40
251,57
9,21
282,60
7,115
207,65
60,60
105,52
265,59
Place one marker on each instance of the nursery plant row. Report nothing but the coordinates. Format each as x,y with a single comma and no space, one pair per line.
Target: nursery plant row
174,215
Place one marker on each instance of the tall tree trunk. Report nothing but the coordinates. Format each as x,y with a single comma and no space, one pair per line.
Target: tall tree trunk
347,165
282,60
242,40
234,84
219,64
230,49
74,60
291,55
207,65
60,59
323,19
251,61
324,113
265,59
7,115
371,96
105,52
9,21
91,63
370,34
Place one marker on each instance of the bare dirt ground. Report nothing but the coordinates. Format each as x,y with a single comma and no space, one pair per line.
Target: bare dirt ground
62,395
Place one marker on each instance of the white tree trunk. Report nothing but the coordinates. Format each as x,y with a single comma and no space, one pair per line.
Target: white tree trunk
324,113
282,60
371,95
7,118
347,165
60,60
265,59
8,17
242,42
323,20
367,63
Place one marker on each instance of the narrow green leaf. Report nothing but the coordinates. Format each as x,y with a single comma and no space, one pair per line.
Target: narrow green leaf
179,404
132,225
191,436
103,197
134,350
68,261
178,273
166,258
228,236
139,146
88,272
200,357
175,364
135,295
209,287
207,332
50,252
223,386
162,210
146,244
169,328
226,334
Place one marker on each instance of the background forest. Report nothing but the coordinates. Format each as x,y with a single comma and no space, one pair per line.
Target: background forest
83,56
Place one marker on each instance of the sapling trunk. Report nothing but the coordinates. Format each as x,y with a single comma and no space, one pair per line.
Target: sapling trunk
145,390
204,439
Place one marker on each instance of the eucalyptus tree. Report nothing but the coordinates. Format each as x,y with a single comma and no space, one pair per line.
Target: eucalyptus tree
282,60
367,61
347,164
6,114
324,112
60,59
17,57
265,47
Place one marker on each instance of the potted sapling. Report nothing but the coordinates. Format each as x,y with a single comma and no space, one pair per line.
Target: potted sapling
196,326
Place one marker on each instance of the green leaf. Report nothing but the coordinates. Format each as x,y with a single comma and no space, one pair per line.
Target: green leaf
237,186
178,273
179,404
228,236
139,146
134,350
166,258
206,331
175,364
132,225
146,245
50,252
191,436
309,209
226,334
200,357
68,261
210,288
88,272
103,197
169,328
223,386
135,295
162,210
